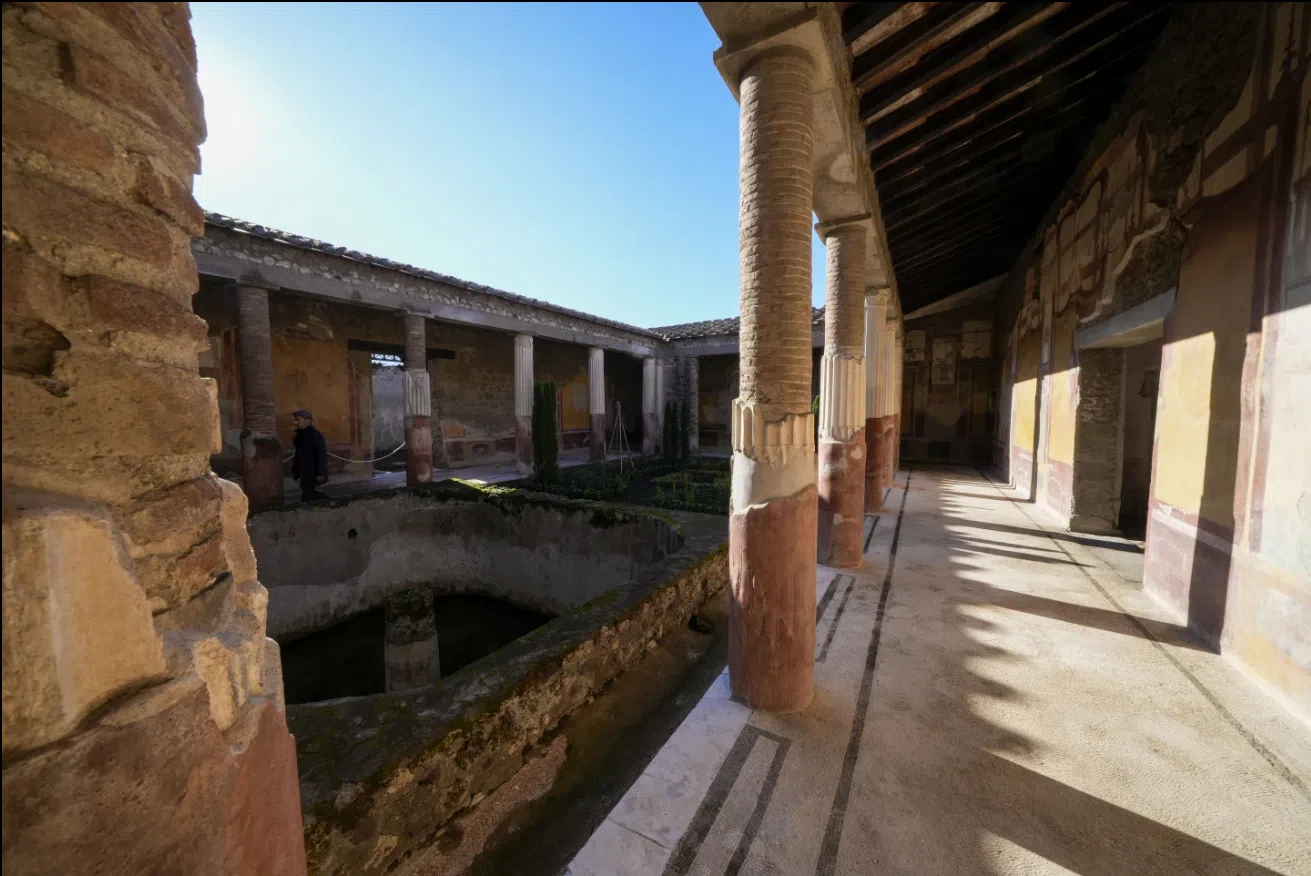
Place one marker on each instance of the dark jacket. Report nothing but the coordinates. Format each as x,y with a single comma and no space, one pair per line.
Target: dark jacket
311,460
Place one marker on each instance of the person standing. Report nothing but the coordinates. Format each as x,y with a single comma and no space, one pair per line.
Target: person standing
310,464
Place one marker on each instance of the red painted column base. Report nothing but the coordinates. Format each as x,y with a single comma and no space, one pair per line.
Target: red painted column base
418,450
842,502
771,609
874,479
261,470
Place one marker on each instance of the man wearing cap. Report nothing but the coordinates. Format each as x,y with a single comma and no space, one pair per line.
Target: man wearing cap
310,465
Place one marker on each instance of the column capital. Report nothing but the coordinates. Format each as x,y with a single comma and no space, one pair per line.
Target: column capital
862,223
523,341
877,296
801,35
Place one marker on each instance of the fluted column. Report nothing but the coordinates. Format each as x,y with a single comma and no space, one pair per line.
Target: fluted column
887,427
261,454
650,424
771,637
596,401
842,400
523,403
418,403
876,303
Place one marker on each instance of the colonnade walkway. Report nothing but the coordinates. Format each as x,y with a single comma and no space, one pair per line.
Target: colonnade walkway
991,696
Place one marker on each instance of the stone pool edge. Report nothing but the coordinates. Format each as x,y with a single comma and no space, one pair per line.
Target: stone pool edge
380,775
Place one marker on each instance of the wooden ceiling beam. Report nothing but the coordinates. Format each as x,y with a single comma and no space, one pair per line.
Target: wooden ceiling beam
860,18
1073,29
902,42
921,164
942,58
1097,72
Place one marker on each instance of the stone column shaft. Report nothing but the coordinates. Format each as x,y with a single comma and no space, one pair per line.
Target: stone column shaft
875,306
842,401
649,419
693,383
898,352
418,403
596,401
523,403
772,538
261,454
410,657
887,425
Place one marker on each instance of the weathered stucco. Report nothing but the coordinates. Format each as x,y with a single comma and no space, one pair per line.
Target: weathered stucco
381,774
1197,183
323,564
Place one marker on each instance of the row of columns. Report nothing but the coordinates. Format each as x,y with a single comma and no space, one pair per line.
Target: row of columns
262,454
792,502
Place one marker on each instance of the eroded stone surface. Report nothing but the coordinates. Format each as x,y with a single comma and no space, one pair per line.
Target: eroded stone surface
77,628
381,774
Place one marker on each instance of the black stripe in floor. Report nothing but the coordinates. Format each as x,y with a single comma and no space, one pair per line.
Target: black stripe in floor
685,853
828,597
828,850
837,617
1269,756
869,536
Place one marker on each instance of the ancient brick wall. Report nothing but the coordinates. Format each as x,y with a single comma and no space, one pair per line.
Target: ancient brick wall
142,718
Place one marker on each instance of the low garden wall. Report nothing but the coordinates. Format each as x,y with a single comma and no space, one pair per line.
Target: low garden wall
380,775
325,562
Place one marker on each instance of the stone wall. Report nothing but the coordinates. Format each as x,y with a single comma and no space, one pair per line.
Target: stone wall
473,394
324,564
1198,182
143,725
381,774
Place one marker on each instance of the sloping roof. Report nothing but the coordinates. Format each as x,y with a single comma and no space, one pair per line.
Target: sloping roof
295,240
712,327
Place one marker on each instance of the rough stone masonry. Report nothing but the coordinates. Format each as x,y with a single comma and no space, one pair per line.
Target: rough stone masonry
143,722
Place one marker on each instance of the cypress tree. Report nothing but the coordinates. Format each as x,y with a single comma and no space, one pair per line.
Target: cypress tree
546,445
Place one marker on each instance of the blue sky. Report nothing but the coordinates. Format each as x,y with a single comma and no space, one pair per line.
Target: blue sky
585,154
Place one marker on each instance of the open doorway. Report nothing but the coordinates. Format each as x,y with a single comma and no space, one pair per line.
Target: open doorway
1115,421
1142,370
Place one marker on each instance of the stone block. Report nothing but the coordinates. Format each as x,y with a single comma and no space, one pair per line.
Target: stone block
173,519
112,305
55,134
236,542
93,75
34,288
158,188
77,628
170,580
111,407
59,215
155,788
